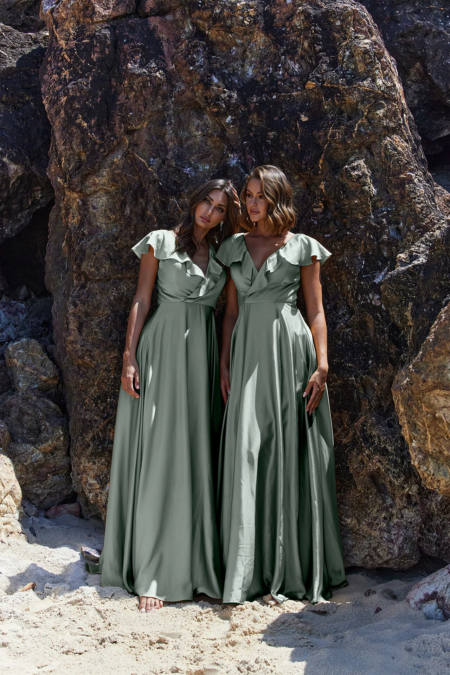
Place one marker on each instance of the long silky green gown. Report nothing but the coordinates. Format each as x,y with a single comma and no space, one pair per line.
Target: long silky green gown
161,536
277,494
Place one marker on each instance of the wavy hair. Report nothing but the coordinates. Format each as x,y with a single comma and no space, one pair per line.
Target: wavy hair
216,235
278,192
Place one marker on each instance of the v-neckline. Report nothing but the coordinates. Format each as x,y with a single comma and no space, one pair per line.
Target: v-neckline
265,261
205,274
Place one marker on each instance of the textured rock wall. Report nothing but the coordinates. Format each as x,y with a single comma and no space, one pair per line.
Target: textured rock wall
24,127
417,35
148,99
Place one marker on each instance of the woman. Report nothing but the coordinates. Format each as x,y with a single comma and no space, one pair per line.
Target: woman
161,541
279,522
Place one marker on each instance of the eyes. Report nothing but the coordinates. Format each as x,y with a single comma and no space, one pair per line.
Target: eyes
260,196
221,209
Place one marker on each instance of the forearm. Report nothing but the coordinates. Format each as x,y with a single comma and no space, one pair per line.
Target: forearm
136,320
318,328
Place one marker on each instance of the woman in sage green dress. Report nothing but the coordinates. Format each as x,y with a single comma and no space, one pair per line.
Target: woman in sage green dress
161,538
277,495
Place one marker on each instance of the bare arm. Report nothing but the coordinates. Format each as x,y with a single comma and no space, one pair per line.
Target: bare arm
229,320
139,309
315,317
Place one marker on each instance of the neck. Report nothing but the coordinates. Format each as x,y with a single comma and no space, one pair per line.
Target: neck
262,228
198,234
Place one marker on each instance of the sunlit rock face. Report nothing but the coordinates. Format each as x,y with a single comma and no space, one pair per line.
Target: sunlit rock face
417,35
146,101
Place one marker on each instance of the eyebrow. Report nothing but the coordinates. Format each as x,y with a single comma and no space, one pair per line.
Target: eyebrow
219,204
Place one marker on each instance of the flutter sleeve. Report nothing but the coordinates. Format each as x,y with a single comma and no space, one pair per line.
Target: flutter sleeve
310,248
162,242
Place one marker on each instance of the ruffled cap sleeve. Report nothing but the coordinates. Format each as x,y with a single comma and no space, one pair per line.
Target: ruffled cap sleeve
310,248
162,241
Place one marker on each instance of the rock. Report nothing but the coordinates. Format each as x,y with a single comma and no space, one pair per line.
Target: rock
21,293
22,15
28,587
421,393
11,316
323,608
305,85
377,610
389,593
61,509
25,130
29,366
10,496
369,592
37,322
5,382
433,611
432,595
29,509
56,589
416,33
39,447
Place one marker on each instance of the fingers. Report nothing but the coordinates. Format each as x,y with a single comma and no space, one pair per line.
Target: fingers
127,384
223,389
316,397
225,386
136,379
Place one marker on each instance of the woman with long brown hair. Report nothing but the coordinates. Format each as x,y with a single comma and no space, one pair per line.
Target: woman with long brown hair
161,540
277,498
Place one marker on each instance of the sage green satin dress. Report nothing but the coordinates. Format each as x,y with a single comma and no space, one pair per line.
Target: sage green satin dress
277,494
161,536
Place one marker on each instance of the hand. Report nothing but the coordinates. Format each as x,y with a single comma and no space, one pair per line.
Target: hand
130,375
316,385
225,381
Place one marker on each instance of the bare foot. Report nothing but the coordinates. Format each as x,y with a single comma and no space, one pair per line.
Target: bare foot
270,600
147,603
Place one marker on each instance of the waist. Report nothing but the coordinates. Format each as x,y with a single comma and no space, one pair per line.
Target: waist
253,303
186,303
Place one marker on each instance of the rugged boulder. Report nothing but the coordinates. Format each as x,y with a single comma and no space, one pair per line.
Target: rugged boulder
422,396
417,35
24,127
29,366
10,492
39,447
146,100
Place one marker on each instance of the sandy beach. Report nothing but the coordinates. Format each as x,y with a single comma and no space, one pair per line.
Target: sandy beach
69,624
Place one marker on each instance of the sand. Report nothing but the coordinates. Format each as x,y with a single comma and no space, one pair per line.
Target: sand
69,624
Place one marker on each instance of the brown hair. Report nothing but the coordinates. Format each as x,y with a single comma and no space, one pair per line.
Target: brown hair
216,235
278,192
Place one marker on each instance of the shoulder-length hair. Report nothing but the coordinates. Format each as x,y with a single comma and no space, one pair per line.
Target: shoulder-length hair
216,235
278,192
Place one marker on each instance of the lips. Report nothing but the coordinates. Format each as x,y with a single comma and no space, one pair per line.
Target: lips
204,219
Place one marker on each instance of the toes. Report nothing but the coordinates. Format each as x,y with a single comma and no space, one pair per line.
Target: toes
142,600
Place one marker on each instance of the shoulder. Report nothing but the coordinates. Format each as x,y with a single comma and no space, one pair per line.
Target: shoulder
300,249
162,241
310,248
227,251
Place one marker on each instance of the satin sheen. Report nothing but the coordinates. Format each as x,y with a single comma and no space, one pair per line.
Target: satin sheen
161,536
277,493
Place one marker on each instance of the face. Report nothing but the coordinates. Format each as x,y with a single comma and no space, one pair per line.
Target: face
212,210
255,201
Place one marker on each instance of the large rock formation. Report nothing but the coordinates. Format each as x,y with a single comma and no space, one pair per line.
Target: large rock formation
422,396
24,127
148,99
417,34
